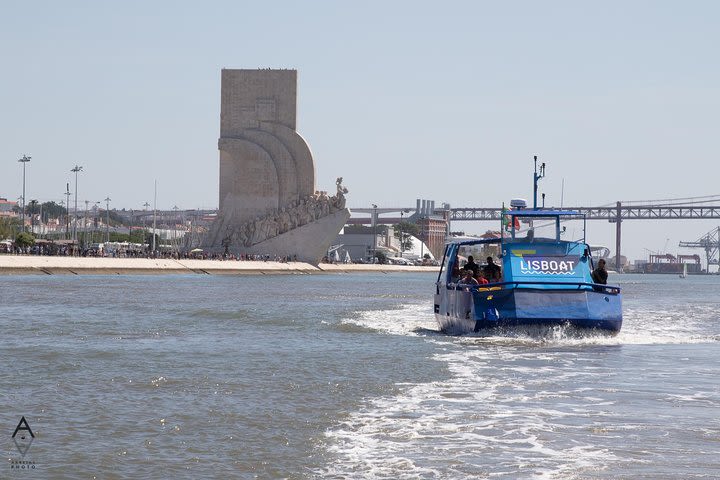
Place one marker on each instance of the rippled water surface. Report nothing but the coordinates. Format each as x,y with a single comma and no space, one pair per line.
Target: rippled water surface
346,376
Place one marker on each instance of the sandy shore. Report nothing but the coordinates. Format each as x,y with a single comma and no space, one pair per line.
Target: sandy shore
26,264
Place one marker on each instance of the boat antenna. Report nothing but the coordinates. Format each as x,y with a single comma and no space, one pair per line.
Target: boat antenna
537,177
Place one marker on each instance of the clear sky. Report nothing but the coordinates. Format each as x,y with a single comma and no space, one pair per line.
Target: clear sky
404,99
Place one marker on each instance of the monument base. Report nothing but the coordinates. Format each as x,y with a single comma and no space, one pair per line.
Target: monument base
308,243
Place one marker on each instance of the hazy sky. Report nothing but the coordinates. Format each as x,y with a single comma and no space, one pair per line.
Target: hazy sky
404,99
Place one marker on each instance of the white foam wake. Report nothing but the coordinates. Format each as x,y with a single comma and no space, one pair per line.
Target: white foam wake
528,404
474,423
408,320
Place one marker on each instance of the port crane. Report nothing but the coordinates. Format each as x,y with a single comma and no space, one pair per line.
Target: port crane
710,242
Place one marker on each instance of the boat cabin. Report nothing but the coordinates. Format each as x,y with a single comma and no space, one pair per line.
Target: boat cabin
535,247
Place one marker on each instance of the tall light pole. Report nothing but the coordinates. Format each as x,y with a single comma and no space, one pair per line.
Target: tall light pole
67,210
20,202
145,227
25,159
132,218
62,205
76,169
107,213
374,225
96,214
175,242
85,224
154,219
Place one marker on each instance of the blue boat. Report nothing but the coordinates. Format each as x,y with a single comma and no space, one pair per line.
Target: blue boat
545,276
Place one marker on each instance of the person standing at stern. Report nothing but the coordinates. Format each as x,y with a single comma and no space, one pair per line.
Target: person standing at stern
600,274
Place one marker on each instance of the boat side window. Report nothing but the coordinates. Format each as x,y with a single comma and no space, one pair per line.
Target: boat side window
444,266
449,263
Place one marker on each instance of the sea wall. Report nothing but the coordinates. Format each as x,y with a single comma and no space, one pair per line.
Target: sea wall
47,265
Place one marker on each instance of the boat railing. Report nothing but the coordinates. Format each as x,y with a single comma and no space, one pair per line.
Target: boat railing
488,287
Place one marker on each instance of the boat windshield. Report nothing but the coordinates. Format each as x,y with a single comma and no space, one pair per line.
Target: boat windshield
536,226
458,255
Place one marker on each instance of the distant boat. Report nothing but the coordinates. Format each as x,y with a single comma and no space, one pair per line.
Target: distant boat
684,272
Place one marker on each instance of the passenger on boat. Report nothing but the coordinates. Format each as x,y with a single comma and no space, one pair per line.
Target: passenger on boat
455,275
492,271
468,278
467,281
600,274
480,277
472,265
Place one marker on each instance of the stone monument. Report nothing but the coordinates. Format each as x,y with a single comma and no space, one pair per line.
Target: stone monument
268,201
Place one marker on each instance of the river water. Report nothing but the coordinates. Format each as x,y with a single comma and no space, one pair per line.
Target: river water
346,376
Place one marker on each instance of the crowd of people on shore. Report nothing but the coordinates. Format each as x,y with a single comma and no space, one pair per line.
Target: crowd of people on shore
69,251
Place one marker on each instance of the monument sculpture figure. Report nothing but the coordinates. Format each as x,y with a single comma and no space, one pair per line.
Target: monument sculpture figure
268,201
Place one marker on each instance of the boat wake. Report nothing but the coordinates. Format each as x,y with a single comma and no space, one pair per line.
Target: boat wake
642,326
410,319
482,421
530,403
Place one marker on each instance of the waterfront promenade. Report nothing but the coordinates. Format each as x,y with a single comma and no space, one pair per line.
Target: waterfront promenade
53,265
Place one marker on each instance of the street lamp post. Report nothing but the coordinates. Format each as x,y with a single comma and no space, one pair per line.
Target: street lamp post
154,246
132,218
175,240
85,224
62,205
96,214
76,169
374,225
25,159
67,210
145,226
107,213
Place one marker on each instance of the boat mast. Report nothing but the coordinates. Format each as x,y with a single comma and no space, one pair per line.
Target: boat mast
537,177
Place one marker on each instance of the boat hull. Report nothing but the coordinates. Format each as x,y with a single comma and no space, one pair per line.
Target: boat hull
482,309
